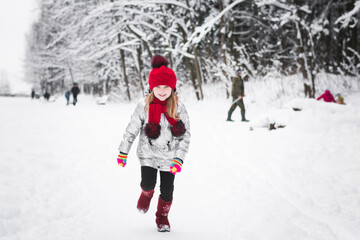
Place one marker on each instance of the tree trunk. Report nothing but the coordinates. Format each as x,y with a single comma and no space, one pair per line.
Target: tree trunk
122,56
352,33
302,59
222,34
231,39
71,75
223,46
140,68
198,73
190,66
197,66
146,44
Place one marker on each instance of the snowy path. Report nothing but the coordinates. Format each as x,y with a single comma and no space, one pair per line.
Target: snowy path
59,178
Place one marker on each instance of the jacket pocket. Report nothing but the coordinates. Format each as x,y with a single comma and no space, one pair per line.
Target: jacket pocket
142,149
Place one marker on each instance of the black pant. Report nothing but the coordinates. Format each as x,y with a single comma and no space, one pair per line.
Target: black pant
74,99
148,182
239,103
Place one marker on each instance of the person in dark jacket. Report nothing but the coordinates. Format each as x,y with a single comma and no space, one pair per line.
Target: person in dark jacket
32,94
75,91
47,96
238,93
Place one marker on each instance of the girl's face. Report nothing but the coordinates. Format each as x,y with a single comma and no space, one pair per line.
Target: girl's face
162,92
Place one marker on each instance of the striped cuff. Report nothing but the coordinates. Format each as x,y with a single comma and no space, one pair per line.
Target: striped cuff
178,160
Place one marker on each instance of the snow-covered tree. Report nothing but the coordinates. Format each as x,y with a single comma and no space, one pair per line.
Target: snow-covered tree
107,45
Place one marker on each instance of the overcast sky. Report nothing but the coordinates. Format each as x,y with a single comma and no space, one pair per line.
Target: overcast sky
16,17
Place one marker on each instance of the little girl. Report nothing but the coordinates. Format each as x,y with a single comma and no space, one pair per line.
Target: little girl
164,129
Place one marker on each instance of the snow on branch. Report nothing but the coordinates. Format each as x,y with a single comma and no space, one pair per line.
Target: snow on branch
158,2
274,3
348,17
120,5
176,52
150,26
118,46
201,31
137,31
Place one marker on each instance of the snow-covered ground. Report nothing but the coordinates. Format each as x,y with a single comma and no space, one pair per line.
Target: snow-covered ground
59,178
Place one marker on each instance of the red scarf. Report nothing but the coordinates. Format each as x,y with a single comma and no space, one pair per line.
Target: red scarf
156,108
153,129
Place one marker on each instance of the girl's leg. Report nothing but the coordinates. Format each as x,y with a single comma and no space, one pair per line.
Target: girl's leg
148,178
166,186
148,182
165,201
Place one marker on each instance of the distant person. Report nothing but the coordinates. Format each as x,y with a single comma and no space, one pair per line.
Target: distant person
340,99
47,96
67,96
75,91
238,93
327,96
32,94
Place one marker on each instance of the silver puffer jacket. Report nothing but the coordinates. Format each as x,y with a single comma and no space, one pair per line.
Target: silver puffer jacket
160,152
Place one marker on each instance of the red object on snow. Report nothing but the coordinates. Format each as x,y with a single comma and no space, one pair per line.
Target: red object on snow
327,96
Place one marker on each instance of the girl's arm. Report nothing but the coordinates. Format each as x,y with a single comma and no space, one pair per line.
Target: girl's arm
320,97
184,140
133,129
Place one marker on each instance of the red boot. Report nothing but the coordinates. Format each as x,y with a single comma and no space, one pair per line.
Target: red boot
144,200
162,213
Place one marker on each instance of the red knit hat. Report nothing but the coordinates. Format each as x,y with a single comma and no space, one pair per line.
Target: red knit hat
161,74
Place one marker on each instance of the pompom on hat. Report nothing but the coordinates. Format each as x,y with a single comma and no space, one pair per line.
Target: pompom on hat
161,74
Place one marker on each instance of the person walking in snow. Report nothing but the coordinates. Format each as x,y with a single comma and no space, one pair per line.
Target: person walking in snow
67,96
238,93
47,96
163,124
75,91
32,94
327,96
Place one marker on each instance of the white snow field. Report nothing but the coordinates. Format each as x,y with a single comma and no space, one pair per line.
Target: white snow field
59,178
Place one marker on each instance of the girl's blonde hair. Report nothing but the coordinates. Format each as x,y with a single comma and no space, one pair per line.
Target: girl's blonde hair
171,106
